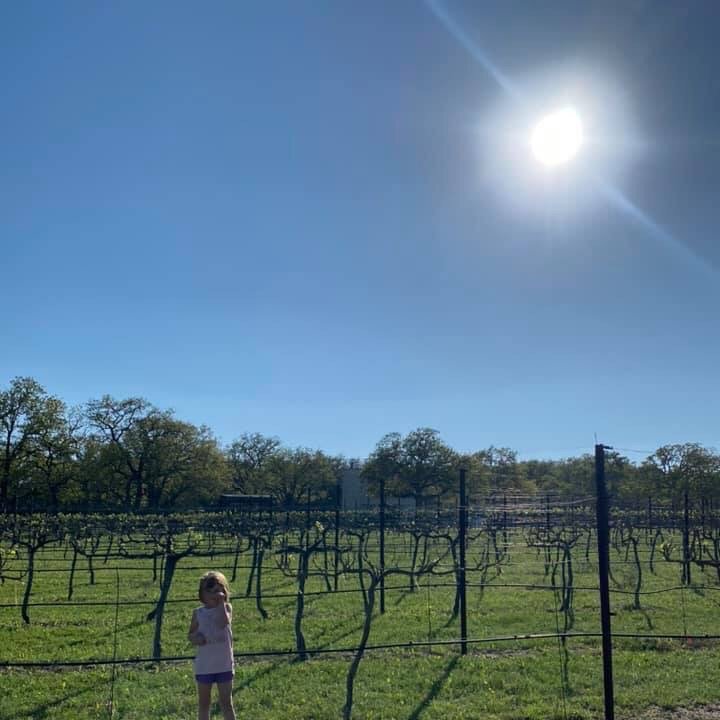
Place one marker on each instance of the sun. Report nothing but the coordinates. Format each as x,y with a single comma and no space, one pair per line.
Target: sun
557,137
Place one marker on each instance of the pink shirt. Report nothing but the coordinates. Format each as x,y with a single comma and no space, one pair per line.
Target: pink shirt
216,656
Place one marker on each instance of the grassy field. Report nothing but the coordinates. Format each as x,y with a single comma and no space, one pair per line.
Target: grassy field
498,679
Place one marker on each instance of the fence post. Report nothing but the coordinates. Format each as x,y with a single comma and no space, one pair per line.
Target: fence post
338,500
111,707
382,544
603,572
547,512
462,531
505,533
686,541
307,520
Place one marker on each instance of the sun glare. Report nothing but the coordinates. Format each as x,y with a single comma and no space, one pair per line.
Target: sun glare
557,137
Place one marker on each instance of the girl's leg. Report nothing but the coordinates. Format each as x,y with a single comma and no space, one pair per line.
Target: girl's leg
204,700
226,702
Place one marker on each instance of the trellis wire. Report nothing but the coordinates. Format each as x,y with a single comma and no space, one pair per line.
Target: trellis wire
347,650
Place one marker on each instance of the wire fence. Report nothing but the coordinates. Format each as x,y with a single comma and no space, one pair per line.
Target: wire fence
506,524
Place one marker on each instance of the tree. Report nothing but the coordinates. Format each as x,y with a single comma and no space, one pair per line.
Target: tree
428,465
93,483
497,470
539,473
384,463
112,421
296,475
500,464
673,469
620,476
249,459
573,476
419,464
54,458
152,459
184,465
25,409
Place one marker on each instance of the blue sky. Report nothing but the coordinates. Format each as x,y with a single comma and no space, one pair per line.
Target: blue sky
294,218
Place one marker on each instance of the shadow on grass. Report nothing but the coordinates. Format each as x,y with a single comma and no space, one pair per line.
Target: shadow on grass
342,636
132,625
642,611
121,629
452,620
284,605
648,619
403,595
434,691
237,687
44,710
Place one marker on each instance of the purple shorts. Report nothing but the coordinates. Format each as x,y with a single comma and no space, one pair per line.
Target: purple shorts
211,678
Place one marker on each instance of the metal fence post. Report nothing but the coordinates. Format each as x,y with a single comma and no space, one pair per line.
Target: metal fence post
505,523
338,500
603,572
462,528
686,540
382,545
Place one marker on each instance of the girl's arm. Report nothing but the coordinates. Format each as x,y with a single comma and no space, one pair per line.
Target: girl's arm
223,610
195,637
226,615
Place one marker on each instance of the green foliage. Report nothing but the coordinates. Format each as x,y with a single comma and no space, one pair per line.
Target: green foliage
151,459
419,465
677,469
297,475
33,440
249,458
128,454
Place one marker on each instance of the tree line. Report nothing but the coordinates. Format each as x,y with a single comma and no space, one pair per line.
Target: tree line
131,455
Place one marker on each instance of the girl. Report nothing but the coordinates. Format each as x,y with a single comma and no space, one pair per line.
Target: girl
210,631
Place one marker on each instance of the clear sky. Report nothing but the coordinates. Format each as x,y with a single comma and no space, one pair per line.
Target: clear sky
318,219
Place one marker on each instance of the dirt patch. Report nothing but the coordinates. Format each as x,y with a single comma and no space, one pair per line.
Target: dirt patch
698,712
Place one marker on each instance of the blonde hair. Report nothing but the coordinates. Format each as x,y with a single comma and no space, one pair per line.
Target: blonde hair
212,578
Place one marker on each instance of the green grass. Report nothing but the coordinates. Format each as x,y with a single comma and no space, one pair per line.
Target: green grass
497,680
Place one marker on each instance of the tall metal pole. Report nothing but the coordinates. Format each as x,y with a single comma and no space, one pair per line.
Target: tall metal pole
686,539
505,535
382,545
307,521
338,500
462,529
603,572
